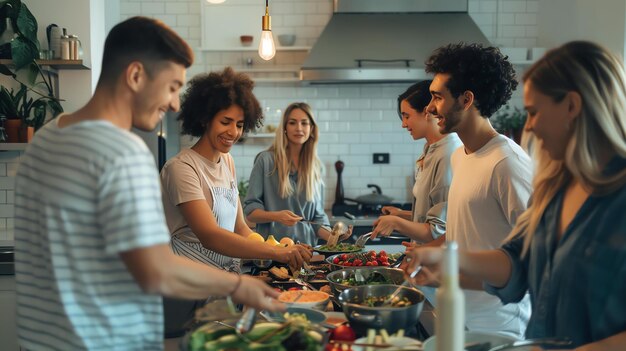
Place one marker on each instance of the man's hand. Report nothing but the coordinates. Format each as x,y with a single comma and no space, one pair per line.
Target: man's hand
287,218
256,294
429,258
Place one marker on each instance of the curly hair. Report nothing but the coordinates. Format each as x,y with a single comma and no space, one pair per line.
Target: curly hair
484,71
207,94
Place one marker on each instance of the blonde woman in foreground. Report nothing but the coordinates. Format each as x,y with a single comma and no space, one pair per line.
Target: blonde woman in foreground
569,248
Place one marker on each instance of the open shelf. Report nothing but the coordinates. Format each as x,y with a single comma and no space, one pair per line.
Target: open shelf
56,64
13,146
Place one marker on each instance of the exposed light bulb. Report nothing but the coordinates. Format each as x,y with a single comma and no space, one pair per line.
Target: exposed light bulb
215,1
267,49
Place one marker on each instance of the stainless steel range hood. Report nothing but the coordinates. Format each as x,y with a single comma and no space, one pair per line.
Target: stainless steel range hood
382,41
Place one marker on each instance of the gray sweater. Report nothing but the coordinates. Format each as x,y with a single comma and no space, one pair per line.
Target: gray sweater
263,194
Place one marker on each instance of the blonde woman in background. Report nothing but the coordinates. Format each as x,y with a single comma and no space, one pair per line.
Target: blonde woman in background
286,193
569,248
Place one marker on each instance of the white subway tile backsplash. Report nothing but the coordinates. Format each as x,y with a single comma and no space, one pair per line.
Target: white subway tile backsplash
513,6
176,8
152,8
3,196
7,183
3,169
526,18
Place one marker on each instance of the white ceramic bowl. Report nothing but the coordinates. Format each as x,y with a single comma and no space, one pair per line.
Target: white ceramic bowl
312,299
472,337
287,39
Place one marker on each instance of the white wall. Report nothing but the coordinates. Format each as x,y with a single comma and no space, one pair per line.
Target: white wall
356,120
602,21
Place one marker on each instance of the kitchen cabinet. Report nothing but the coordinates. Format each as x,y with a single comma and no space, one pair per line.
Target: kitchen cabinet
8,328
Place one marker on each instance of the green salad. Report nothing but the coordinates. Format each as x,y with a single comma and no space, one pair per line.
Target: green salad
341,247
294,334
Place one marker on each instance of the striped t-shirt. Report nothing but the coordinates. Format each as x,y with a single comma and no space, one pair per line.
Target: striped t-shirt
84,194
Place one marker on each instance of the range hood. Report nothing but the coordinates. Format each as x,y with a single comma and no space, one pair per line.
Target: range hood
374,41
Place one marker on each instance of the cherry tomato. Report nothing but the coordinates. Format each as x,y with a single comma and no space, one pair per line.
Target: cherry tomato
358,262
382,253
374,263
336,260
344,257
343,333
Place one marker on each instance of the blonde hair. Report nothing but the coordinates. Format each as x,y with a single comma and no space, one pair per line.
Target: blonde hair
309,167
598,132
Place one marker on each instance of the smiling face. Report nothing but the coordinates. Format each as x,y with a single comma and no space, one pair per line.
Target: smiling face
416,123
158,95
444,106
548,120
225,129
298,127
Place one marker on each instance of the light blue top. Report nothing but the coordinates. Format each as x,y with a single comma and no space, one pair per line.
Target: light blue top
263,194
84,194
577,286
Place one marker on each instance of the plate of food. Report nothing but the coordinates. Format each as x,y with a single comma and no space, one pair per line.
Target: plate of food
336,249
362,259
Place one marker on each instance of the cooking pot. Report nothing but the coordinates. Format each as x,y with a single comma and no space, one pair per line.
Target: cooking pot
392,319
376,198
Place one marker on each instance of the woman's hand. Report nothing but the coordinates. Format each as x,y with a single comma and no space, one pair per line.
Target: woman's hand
429,258
294,255
256,294
347,234
390,210
384,226
287,218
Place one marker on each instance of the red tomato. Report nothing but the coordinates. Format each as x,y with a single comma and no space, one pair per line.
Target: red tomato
385,264
358,262
344,257
382,253
374,263
343,333
336,260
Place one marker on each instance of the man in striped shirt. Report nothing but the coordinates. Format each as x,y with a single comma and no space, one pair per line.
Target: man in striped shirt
92,254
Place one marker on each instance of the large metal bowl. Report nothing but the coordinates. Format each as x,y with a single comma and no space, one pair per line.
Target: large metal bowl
392,319
393,275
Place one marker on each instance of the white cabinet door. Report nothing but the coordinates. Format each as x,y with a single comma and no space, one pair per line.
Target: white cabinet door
8,329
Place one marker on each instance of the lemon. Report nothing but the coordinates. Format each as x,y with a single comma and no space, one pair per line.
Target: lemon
256,237
286,242
272,241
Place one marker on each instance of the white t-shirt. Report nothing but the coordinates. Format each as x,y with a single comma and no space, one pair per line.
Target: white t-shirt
490,189
84,194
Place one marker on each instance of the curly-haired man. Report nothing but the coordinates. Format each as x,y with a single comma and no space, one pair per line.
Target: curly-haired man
491,181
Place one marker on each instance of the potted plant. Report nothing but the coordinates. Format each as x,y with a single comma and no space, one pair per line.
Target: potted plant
510,122
19,27
23,114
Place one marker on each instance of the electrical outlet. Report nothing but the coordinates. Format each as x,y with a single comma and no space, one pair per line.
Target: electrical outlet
382,158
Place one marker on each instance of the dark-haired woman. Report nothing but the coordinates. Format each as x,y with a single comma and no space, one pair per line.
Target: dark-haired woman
200,195
433,175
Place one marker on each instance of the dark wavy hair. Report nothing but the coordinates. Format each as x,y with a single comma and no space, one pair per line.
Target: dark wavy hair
207,94
417,95
484,71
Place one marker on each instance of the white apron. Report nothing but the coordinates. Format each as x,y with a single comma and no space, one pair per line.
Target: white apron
225,205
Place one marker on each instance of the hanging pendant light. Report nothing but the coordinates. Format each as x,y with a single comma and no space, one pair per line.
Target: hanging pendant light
215,1
267,49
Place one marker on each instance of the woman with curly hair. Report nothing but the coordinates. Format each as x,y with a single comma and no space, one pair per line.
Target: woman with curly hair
200,195
286,183
568,250
491,180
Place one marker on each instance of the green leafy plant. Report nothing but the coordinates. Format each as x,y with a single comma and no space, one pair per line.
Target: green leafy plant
242,186
24,50
16,104
509,119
